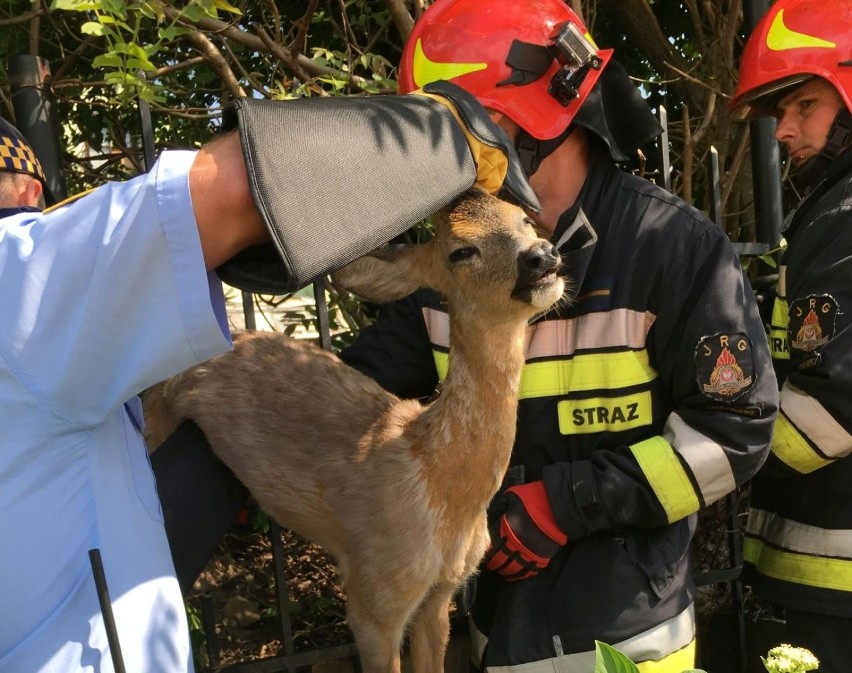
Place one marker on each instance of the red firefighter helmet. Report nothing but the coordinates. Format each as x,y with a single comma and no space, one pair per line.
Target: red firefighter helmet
532,60
794,41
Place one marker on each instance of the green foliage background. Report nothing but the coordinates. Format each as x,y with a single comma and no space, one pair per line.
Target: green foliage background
188,58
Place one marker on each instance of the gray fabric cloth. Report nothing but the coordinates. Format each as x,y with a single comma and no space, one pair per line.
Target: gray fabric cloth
387,161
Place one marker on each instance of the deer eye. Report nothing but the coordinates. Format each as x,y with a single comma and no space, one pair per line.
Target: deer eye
462,254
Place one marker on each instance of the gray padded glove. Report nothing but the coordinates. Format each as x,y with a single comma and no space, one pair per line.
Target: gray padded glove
335,178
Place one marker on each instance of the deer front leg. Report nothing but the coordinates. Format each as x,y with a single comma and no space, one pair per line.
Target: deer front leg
429,630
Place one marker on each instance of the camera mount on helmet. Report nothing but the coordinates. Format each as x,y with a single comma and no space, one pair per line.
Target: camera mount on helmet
577,54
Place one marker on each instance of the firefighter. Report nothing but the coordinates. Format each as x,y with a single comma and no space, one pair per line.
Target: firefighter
648,396
104,295
797,67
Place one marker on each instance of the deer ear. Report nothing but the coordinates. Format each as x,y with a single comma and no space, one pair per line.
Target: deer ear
387,274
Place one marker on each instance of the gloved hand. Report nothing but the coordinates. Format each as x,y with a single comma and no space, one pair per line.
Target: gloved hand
402,143
497,165
524,532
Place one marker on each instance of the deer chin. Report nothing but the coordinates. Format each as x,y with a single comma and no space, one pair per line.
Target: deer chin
543,292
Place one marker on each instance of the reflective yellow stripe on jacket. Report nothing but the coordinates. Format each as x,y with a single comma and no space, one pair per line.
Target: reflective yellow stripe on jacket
807,436
604,354
667,477
666,648
556,361
678,462
796,552
778,345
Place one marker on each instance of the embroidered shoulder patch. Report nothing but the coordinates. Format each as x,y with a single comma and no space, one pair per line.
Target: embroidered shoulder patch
811,322
724,366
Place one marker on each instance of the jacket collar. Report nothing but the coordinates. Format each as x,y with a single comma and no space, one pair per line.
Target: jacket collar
574,236
839,168
8,212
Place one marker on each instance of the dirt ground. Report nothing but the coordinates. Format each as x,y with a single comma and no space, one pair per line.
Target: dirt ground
239,585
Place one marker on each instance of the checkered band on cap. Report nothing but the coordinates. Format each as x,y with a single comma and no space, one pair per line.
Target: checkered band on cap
16,155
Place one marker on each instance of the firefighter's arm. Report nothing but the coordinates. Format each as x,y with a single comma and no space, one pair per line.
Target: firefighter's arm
814,425
709,349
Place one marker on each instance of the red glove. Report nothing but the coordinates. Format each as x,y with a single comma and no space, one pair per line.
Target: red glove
524,532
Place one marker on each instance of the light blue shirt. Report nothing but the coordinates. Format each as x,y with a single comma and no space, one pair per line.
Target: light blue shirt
99,299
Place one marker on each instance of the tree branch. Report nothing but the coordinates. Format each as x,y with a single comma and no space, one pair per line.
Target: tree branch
281,53
641,27
69,61
214,57
695,80
300,65
21,18
736,164
401,17
706,121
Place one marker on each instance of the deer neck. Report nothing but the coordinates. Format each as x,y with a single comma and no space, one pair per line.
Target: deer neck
485,365
474,419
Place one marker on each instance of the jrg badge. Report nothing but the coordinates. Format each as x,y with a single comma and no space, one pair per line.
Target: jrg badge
811,322
724,366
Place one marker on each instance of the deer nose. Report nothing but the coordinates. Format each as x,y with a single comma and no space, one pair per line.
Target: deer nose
541,260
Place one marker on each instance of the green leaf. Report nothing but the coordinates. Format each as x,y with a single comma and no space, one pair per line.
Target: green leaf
226,6
75,5
92,28
152,10
140,64
193,13
117,7
610,660
108,60
769,260
116,78
169,33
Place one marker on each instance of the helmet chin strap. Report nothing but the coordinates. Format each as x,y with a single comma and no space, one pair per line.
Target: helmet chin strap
532,151
839,138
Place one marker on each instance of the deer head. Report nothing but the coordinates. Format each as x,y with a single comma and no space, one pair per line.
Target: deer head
484,251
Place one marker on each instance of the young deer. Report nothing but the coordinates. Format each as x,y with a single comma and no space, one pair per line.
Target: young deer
385,484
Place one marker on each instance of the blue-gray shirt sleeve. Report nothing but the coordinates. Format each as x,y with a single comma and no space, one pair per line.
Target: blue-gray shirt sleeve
108,294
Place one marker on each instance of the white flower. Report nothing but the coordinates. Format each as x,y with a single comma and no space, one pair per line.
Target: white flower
788,659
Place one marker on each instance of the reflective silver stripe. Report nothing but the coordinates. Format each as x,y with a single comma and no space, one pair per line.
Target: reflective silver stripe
706,459
555,338
815,422
610,329
580,222
438,326
651,645
799,537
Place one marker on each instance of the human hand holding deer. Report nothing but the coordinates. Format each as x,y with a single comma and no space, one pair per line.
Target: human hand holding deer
524,533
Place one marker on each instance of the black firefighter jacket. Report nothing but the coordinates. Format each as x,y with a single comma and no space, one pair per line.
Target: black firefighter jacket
649,397
798,545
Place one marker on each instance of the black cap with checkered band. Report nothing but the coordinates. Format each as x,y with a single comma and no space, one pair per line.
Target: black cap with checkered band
17,156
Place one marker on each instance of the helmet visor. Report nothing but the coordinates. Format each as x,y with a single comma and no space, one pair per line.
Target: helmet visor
763,101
